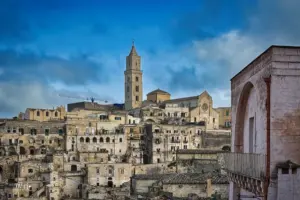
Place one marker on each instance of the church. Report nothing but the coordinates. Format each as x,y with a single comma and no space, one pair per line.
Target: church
200,107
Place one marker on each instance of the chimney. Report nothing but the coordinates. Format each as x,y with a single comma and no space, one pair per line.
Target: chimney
208,188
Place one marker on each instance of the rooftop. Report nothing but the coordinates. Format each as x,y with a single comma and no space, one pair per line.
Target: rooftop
158,91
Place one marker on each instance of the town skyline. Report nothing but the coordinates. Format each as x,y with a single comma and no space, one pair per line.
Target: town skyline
84,54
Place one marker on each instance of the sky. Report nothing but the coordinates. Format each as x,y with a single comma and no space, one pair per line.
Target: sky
78,48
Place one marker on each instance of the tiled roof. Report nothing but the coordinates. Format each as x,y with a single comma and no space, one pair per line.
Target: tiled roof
196,178
197,151
287,164
151,176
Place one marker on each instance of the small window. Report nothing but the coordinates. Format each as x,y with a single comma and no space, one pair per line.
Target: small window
120,139
30,170
97,171
136,78
38,113
137,98
122,171
47,131
60,131
137,88
118,118
55,114
47,114
227,112
214,120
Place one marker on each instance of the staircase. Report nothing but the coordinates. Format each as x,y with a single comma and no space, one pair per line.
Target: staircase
37,193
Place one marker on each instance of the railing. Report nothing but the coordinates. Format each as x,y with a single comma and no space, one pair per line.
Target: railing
245,164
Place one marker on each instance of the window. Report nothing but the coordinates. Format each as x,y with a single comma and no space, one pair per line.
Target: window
136,78
97,171
107,139
128,79
137,88
120,140
47,131
118,118
120,151
137,98
87,140
158,160
214,120
122,171
127,88
227,112
55,114
30,170
185,146
21,130
47,114
38,113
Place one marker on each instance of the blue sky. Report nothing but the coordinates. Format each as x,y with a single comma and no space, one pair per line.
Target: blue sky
77,47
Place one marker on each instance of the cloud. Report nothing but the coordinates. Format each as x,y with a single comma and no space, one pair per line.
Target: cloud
24,65
26,78
217,57
14,98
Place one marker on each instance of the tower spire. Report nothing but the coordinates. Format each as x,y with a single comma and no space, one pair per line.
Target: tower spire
133,50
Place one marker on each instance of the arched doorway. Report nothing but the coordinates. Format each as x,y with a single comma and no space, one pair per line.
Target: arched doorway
11,151
241,116
110,182
226,148
22,151
31,150
74,168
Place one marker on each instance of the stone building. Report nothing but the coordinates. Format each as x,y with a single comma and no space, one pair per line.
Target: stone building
179,185
58,113
158,96
133,80
265,125
27,148
224,117
200,109
163,140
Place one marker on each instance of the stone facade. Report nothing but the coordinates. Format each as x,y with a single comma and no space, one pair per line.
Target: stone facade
224,117
265,112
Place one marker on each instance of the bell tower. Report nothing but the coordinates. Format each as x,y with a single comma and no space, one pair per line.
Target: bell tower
133,80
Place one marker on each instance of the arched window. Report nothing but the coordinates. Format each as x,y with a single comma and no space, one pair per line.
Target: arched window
107,139
94,140
81,140
101,139
87,140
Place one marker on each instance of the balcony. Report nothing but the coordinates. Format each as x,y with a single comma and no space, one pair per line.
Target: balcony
247,170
